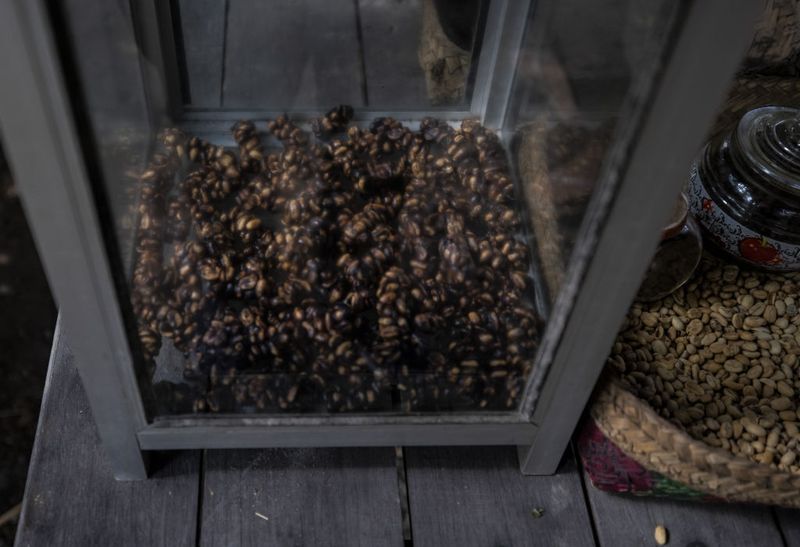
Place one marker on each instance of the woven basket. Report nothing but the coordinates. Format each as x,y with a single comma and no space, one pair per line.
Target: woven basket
776,41
750,92
446,66
661,447
558,164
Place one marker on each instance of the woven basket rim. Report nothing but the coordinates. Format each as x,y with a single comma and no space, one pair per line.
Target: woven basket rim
723,474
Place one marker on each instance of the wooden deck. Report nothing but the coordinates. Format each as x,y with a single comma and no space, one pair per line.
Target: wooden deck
343,496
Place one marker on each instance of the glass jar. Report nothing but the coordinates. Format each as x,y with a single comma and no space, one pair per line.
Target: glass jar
745,189
676,257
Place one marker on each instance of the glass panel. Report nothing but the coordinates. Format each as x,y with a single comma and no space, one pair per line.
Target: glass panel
295,55
578,75
336,261
109,70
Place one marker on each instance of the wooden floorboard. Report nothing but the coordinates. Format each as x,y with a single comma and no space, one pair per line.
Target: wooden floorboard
477,496
292,54
288,497
789,523
72,498
630,520
457,496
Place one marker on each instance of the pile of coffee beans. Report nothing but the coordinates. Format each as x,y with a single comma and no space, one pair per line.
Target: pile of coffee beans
720,358
361,268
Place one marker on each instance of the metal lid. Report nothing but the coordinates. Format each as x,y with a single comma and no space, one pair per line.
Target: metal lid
767,143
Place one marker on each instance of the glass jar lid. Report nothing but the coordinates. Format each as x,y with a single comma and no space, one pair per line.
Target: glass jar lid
766,142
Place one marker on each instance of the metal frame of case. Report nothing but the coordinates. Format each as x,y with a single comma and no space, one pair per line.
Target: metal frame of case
655,143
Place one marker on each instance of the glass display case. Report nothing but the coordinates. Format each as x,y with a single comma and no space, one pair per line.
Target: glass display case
347,223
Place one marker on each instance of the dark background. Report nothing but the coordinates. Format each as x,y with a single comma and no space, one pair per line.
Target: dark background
27,319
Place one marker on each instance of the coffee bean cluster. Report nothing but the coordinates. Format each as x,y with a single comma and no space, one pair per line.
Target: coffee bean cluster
721,359
358,269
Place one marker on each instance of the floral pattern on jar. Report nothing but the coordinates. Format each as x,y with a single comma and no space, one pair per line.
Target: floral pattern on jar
735,238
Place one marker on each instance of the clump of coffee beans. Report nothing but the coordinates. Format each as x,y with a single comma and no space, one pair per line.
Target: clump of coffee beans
360,268
720,358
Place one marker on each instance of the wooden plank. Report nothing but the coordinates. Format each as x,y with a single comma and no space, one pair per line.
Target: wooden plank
301,497
72,498
391,39
203,29
291,54
477,496
629,520
789,523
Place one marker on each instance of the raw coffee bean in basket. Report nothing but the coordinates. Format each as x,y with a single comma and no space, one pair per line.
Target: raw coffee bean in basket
719,358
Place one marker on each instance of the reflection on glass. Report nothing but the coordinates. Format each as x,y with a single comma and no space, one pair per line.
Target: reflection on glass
292,55
579,65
